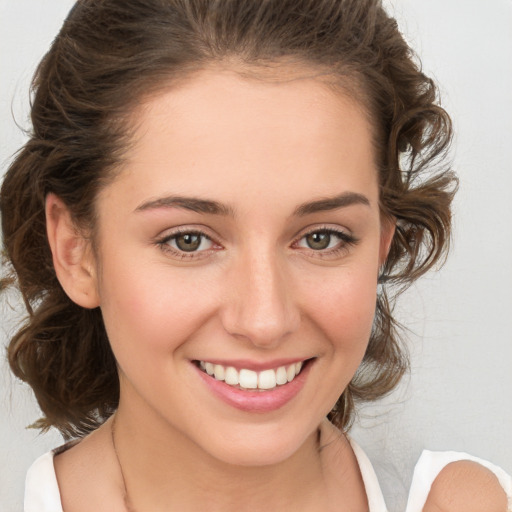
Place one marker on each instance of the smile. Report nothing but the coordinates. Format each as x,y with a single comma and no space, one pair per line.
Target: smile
251,380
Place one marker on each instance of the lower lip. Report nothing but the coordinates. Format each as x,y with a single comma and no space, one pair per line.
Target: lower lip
256,401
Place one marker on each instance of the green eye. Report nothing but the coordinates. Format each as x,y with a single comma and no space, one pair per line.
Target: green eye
189,242
319,240
324,239
326,242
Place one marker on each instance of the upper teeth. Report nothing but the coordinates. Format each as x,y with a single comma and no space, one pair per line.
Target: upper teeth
249,379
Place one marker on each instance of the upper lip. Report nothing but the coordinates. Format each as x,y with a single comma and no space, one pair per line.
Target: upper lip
256,366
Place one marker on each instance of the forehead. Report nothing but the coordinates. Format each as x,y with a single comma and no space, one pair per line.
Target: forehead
231,133
222,97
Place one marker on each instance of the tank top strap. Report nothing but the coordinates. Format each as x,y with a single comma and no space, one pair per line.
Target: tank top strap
374,494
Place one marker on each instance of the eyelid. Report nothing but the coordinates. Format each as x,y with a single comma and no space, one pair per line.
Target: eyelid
329,228
347,239
196,229
172,233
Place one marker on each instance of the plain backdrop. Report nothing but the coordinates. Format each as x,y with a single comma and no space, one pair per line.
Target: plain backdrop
459,393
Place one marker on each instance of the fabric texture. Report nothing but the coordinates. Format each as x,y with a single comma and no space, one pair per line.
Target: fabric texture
42,490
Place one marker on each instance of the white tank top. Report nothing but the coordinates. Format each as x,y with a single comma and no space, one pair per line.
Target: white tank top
42,491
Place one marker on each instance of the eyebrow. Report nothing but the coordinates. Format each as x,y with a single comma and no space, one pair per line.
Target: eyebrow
215,208
331,203
187,203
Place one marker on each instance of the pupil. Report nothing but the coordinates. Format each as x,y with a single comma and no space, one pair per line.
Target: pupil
318,240
188,242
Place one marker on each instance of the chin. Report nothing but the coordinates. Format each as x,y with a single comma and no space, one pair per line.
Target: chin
261,448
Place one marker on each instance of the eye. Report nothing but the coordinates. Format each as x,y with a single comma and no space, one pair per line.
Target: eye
319,240
190,242
186,243
325,240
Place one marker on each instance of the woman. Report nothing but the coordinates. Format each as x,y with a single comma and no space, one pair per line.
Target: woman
198,226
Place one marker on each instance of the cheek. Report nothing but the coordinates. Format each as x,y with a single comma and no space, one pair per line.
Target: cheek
149,310
343,307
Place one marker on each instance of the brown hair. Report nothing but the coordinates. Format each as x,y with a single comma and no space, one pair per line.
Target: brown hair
110,53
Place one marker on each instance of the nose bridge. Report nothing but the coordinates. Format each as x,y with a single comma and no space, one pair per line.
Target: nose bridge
262,308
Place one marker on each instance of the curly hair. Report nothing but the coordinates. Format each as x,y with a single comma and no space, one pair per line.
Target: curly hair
107,57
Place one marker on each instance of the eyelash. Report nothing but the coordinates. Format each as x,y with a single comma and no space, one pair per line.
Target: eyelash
345,240
163,243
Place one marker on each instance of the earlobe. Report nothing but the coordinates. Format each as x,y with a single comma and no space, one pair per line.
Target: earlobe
72,254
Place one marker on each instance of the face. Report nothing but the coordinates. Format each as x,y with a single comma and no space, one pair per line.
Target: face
238,252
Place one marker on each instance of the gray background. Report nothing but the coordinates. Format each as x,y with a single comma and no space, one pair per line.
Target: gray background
459,394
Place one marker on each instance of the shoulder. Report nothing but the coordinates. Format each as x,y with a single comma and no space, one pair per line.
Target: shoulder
87,474
41,488
466,486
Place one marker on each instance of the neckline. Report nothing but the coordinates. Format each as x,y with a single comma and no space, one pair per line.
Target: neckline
44,468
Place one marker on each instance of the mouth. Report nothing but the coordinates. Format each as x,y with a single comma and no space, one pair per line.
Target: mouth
250,380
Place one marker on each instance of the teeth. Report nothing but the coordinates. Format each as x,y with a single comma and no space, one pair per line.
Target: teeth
231,377
249,379
267,379
281,377
219,372
290,372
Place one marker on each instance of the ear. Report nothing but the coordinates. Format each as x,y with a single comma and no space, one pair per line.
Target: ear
387,232
72,253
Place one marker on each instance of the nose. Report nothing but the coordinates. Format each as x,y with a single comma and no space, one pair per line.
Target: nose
261,306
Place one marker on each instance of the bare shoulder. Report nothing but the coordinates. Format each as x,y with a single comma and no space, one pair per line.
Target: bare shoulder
466,486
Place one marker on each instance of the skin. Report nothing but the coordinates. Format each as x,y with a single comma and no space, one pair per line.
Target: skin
257,292
467,486
254,291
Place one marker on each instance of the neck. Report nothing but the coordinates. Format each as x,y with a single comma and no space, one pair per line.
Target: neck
163,470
